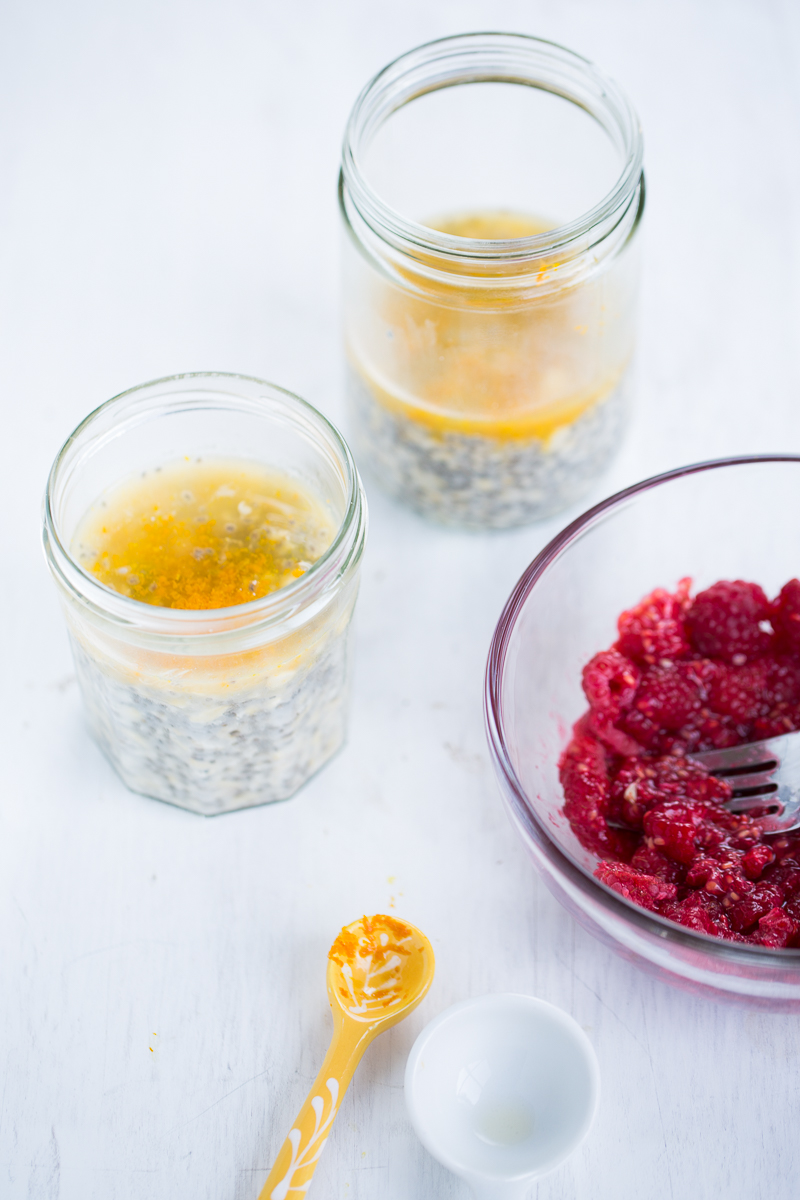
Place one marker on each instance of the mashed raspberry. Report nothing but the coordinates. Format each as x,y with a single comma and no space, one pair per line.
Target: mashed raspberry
685,676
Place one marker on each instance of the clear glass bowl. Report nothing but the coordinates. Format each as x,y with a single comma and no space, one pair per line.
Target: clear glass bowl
735,518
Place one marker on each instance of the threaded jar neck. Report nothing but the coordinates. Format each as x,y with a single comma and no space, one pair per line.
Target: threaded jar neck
490,58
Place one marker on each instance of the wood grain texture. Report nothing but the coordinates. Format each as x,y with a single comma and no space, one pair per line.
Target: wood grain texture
169,204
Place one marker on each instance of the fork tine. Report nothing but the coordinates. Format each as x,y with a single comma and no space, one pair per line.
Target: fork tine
756,779
753,754
764,778
770,801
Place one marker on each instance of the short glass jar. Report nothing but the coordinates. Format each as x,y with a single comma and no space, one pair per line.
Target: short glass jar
491,190
211,709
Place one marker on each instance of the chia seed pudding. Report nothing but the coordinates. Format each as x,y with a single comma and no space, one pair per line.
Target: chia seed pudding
483,482
490,295
209,599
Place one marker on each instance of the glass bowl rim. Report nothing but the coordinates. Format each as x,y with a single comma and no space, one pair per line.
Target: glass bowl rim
514,792
344,551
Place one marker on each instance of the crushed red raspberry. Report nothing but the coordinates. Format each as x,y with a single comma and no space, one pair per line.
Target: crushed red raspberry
670,696
706,873
609,682
673,829
745,913
645,890
777,929
701,912
741,692
725,622
644,732
650,861
783,682
786,876
584,777
599,726
756,859
686,676
785,617
653,631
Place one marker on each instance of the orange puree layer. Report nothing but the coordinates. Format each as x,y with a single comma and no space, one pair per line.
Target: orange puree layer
510,371
203,534
491,226
540,423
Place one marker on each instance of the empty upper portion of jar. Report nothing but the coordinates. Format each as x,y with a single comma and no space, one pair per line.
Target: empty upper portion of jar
492,123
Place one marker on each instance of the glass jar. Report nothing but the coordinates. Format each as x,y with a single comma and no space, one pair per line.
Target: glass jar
491,190
211,709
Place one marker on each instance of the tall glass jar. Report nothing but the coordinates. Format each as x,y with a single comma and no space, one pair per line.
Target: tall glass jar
211,709
491,190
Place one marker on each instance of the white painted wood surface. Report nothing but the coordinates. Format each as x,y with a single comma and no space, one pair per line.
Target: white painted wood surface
167,203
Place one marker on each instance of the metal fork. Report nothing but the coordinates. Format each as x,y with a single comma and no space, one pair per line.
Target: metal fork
764,775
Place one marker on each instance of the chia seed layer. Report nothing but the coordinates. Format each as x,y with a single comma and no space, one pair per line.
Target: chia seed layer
480,482
212,754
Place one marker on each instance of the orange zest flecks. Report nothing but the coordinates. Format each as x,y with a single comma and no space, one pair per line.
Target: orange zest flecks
345,948
349,944
372,955
202,535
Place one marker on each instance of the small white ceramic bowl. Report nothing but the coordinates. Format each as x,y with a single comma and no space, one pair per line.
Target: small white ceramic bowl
502,1089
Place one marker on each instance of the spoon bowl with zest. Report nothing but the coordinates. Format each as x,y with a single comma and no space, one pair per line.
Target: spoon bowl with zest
379,969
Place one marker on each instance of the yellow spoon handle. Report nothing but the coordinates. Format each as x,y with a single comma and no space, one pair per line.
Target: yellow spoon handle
293,1168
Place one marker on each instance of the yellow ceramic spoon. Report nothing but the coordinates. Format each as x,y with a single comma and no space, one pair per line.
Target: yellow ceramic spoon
379,969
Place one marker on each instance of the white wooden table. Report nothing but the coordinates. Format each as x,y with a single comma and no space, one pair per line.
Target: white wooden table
168,203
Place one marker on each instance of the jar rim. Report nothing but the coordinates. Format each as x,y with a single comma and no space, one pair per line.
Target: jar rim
294,598
484,57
